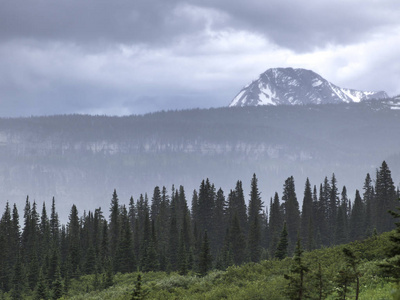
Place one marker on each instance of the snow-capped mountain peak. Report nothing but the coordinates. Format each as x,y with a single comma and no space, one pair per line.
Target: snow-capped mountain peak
296,87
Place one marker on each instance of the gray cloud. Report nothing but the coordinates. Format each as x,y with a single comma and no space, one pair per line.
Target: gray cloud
124,57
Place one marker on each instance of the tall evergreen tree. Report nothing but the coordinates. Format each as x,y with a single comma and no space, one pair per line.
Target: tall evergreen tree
297,287
275,223
385,198
292,213
255,209
74,253
368,199
54,225
237,241
307,213
205,259
155,203
282,247
357,221
114,226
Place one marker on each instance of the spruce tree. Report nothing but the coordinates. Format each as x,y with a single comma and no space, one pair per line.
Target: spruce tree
292,213
368,200
205,258
17,283
155,203
74,250
357,221
391,265
385,198
297,287
282,247
41,291
275,223
114,226
255,209
237,241
57,290
307,213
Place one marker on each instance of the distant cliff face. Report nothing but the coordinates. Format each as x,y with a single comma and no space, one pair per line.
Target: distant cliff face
297,86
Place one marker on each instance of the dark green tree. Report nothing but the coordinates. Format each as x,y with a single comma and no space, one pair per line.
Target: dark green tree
391,265
307,214
114,225
357,219
296,286
205,258
282,247
255,210
368,200
74,250
237,241
348,274
385,198
41,291
17,283
275,223
292,213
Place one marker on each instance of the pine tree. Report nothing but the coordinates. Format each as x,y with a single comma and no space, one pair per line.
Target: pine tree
391,265
333,204
348,274
155,203
220,221
114,226
125,259
41,288
275,223
206,204
255,209
292,213
282,247
138,293
205,258
57,291
307,213
357,221
54,225
385,198
182,255
297,287
237,241
368,200
74,253
17,280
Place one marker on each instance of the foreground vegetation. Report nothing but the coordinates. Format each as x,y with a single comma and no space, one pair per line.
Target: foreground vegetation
47,260
264,280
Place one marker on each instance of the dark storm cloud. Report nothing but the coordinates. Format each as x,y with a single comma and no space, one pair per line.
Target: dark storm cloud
304,25
91,21
121,57
298,25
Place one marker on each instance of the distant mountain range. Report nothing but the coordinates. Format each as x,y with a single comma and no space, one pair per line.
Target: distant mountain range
288,86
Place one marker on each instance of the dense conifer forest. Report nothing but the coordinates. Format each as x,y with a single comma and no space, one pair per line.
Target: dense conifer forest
220,231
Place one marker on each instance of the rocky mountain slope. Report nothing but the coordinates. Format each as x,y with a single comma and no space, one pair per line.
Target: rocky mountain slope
297,86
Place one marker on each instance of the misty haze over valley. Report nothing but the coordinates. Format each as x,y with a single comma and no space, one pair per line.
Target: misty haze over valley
81,158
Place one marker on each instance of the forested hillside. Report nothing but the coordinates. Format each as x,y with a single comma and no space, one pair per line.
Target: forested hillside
162,234
82,158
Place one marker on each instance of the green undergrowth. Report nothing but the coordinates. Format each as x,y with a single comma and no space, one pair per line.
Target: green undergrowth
262,280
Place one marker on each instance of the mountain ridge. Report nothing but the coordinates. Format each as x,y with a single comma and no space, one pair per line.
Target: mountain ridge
288,86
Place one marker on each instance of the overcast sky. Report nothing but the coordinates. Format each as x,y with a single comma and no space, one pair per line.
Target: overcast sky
137,56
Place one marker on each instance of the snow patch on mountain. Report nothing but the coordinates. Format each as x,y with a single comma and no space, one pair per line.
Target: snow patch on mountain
297,87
